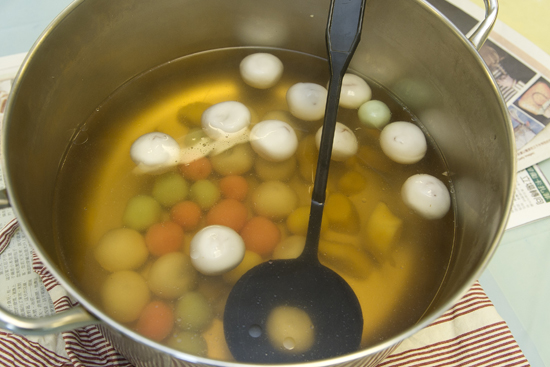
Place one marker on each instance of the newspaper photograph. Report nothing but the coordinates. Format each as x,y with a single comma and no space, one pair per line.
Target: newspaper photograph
522,75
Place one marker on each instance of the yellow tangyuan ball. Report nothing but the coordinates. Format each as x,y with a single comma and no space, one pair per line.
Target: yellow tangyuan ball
290,329
121,249
172,275
124,295
250,260
274,200
298,221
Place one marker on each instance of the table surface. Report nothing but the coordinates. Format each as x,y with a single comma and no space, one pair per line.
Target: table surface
516,278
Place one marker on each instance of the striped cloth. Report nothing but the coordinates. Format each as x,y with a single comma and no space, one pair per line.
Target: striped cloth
7,233
86,346
470,334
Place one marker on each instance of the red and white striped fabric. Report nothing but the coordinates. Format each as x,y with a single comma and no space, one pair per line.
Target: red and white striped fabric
470,334
86,346
18,351
83,347
7,233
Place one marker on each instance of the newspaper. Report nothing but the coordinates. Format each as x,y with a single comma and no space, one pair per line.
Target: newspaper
21,290
531,197
522,73
521,70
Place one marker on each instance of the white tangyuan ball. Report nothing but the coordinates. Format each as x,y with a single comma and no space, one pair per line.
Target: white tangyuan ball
355,91
344,145
155,150
307,101
261,70
225,119
403,142
427,196
216,250
273,140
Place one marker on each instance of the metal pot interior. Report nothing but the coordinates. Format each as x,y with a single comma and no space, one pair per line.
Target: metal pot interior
96,46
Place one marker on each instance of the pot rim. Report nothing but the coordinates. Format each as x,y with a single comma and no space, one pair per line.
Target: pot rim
356,356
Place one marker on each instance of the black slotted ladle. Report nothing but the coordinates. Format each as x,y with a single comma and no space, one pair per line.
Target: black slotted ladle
304,283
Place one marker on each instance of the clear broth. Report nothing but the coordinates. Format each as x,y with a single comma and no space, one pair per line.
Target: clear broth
97,179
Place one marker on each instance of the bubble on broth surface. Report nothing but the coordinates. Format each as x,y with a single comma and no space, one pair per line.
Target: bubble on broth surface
255,331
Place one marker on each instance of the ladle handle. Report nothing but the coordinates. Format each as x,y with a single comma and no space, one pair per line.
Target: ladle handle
344,27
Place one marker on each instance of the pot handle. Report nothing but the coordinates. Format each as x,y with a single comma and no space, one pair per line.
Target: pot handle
481,33
70,319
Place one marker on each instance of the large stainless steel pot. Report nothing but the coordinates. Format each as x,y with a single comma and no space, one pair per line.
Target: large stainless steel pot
95,46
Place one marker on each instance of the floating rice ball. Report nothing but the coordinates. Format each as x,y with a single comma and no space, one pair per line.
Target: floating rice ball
261,70
124,295
235,161
307,101
289,329
274,200
355,91
170,188
193,312
344,145
141,212
121,249
275,171
216,250
225,119
287,117
403,142
427,196
172,275
205,193
298,221
374,114
155,151
290,248
250,260
351,183
274,140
